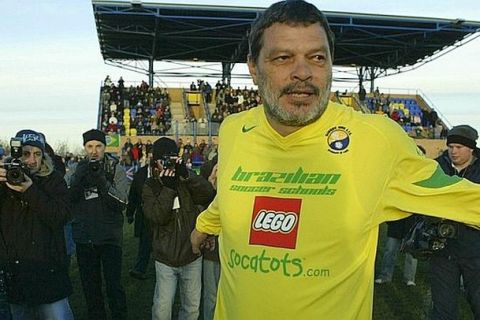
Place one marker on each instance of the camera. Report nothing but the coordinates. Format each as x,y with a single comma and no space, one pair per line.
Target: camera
169,162
94,165
16,170
428,237
447,229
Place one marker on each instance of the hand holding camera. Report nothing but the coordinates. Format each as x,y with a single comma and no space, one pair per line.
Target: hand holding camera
81,171
19,186
15,168
22,187
14,172
171,166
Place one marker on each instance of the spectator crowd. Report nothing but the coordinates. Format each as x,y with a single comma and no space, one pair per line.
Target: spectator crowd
134,110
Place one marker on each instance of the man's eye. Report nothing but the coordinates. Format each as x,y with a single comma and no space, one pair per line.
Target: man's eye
281,58
319,57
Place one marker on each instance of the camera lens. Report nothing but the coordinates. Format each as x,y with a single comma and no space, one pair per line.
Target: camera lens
446,230
94,165
15,176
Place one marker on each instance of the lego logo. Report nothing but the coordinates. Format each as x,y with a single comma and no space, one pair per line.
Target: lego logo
275,221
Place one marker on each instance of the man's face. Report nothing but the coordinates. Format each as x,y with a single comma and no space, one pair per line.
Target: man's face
94,149
294,73
32,158
459,154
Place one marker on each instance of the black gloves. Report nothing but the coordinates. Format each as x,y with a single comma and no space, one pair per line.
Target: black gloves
81,171
130,219
181,170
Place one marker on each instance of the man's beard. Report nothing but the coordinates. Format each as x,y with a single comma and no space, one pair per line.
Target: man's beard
271,102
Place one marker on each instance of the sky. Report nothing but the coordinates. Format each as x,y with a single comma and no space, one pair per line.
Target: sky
51,67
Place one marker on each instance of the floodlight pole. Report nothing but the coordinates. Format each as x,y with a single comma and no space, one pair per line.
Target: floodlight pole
372,79
360,72
151,73
227,72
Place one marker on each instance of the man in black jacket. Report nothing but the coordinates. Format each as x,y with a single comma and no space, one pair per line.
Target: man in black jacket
135,214
173,198
98,191
461,256
33,212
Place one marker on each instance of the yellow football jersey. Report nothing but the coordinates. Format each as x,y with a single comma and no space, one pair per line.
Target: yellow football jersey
298,216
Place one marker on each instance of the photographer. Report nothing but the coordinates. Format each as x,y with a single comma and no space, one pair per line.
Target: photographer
461,256
172,200
98,191
33,211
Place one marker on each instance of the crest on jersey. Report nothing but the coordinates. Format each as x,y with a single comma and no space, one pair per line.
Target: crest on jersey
338,139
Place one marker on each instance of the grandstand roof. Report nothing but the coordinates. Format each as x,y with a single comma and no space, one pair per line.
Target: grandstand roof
143,31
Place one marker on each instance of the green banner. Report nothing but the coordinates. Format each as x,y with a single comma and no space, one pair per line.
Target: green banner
113,140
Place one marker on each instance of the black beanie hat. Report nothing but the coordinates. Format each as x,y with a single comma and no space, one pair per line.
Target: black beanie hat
94,134
464,135
32,138
164,146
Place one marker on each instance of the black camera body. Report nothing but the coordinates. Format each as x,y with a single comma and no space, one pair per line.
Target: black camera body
107,165
94,165
169,162
426,237
16,170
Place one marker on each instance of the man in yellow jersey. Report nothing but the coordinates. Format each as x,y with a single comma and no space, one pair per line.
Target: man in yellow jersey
303,184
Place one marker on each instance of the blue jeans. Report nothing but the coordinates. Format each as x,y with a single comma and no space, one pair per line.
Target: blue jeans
58,310
211,275
189,277
392,247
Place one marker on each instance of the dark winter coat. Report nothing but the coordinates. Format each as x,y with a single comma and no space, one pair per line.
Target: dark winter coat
135,207
98,215
172,227
32,244
467,243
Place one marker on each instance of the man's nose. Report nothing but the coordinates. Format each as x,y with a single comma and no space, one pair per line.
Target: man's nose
30,159
302,70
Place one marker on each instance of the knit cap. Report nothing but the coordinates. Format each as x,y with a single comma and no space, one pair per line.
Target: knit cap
464,135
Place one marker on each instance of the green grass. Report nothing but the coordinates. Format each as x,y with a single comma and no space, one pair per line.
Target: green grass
393,301
139,292
396,301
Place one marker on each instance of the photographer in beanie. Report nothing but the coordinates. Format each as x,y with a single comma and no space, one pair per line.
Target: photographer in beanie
461,256
98,191
172,199
33,211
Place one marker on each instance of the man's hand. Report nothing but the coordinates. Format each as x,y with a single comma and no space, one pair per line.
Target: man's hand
81,170
197,239
208,244
3,173
130,219
23,186
213,177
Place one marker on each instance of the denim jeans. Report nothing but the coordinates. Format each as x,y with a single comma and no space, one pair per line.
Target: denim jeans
211,275
392,246
93,260
58,310
189,278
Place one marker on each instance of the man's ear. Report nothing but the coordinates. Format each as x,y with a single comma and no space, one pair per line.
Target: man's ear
252,68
